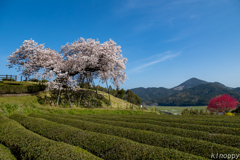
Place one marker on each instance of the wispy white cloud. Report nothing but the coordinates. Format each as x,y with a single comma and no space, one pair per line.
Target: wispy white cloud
155,61
155,56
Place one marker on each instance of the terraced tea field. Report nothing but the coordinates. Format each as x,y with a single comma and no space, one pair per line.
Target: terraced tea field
52,136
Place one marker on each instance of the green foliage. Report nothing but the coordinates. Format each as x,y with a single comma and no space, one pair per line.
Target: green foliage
185,112
19,89
9,79
229,114
102,145
25,144
153,109
5,153
132,98
237,110
89,98
8,108
194,112
122,94
44,80
188,145
33,80
233,141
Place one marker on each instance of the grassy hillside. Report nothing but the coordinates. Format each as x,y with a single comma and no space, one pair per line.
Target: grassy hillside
31,103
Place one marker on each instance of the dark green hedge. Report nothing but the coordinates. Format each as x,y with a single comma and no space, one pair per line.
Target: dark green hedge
224,139
178,120
204,128
188,145
25,144
18,89
102,145
5,153
217,118
206,118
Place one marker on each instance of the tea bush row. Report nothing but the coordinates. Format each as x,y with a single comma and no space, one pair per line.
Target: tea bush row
102,145
205,128
25,144
5,153
223,119
233,141
188,145
193,121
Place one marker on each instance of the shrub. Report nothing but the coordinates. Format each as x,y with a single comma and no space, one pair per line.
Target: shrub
18,89
102,145
5,153
153,109
34,80
185,112
44,80
25,144
9,79
229,114
188,145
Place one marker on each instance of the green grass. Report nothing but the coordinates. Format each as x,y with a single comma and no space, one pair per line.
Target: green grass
30,104
176,109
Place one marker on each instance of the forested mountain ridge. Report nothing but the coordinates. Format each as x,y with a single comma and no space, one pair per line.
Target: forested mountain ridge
189,93
189,84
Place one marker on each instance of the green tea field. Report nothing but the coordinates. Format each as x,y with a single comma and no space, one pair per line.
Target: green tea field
146,136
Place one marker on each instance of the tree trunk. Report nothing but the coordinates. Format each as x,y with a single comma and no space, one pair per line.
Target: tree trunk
87,91
69,98
79,101
95,93
108,94
59,93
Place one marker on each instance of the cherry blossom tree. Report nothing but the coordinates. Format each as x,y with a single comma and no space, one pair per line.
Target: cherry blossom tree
82,57
223,103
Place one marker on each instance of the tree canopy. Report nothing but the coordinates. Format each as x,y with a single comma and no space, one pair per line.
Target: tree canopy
223,103
84,57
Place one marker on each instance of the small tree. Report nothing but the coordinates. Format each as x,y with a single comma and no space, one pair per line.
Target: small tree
185,112
223,103
191,111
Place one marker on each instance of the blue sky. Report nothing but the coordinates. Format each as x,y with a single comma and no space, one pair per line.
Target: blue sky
165,42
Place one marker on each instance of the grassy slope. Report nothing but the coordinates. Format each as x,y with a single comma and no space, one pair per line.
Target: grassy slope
29,104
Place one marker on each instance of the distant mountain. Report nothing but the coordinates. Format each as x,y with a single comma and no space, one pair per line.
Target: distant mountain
195,96
220,84
189,93
189,84
147,95
236,89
